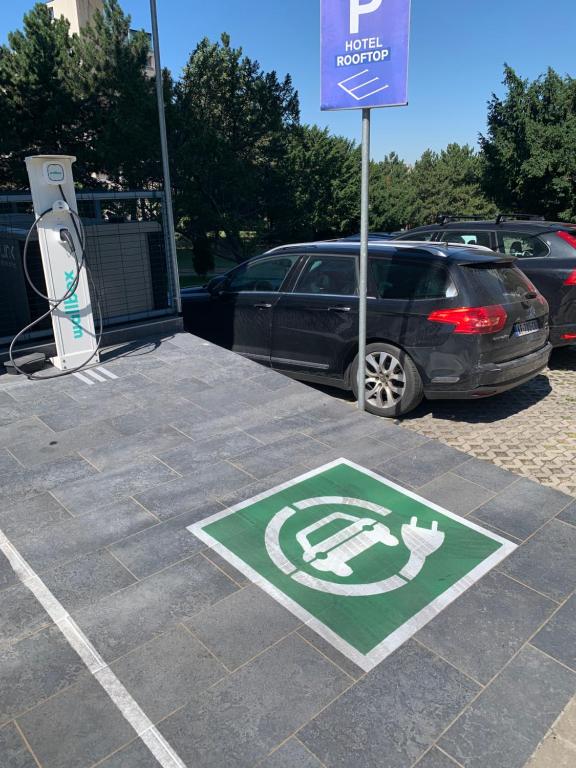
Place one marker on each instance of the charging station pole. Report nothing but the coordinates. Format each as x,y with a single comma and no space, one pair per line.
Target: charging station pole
363,267
50,181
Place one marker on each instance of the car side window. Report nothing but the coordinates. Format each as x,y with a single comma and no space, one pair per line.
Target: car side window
330,275
521,245
416,236
467,237
264,275
404,279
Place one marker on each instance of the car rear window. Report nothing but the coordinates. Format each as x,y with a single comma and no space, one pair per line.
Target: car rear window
404,279
503,282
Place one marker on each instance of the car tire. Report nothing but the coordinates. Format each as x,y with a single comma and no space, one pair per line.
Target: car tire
393,384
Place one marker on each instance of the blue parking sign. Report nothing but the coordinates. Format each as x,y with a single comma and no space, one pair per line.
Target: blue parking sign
365,53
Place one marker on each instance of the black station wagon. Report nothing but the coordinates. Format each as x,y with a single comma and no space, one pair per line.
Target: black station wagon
443,321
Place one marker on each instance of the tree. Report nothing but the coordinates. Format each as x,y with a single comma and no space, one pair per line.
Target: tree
323,175
529,157
448,182
232,126
391,187
116,101
38,108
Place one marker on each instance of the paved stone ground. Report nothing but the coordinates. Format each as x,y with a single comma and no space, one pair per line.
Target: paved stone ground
98,485
530,430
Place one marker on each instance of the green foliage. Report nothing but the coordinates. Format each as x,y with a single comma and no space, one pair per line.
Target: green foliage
529,149
323,174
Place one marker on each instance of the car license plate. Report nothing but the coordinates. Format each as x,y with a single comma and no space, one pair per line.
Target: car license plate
523,329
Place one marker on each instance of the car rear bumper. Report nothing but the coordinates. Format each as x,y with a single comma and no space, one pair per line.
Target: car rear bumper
558,334
492,379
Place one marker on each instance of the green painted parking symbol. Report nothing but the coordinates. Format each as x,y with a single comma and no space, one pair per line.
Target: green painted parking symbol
364,562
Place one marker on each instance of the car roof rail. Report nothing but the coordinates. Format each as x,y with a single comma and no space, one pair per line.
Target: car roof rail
446,218
518,217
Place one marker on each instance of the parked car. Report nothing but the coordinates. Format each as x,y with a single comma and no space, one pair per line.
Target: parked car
443,321
546,253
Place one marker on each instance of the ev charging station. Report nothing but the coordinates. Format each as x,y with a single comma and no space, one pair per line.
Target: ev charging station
54,200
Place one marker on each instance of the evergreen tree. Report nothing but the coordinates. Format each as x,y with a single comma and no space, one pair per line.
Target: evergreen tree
529,148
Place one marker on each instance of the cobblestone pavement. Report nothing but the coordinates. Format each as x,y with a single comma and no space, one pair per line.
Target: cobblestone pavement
530,430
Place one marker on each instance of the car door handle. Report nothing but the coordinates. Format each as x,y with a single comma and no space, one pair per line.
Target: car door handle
339,309
263,306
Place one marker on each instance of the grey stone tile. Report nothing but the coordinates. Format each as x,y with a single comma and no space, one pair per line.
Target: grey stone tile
126,450
421,465
245,492
164,544
31,515
255,709
367,452
86,579
187,457
78,727
120,622
15,754
81,535
34,669
558,637
268,459
225,566
22,430
484,524
243,625
328,650
481,631
213,399
269,428
57,445
10,412
168,672
349,428
187,493
395,713
7,576
29,482
8,463
436,759
547,561
486,474
144,418
113,485
455,493
569,514
135,755
62,419
21,614
522,508
292,754
506,723
203,425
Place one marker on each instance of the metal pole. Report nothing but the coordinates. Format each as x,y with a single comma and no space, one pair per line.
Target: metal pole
363,271
165,160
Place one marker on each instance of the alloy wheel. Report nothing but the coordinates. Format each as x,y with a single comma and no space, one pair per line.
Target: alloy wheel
385,380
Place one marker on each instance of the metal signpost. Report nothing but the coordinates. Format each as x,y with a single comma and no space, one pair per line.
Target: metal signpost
364,66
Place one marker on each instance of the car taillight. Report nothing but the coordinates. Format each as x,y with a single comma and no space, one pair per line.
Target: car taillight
472,320
568,237
571,279
568,337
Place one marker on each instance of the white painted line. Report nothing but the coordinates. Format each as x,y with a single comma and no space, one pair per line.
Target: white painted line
84,379
127,706
374,80
353,77
411,626
108,373
95,375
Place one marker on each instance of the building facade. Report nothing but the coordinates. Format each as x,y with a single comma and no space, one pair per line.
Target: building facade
78,12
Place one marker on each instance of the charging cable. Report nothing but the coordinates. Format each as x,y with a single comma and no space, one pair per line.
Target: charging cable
55,303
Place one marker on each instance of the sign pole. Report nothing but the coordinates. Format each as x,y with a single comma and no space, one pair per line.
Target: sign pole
363,271
165,158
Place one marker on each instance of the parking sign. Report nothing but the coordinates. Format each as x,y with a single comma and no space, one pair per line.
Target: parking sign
365,53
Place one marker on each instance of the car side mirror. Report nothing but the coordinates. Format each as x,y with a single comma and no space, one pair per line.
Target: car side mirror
216,285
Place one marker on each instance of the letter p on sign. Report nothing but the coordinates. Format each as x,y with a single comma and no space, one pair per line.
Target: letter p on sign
357,9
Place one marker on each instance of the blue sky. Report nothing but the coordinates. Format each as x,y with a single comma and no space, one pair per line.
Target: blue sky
457,54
